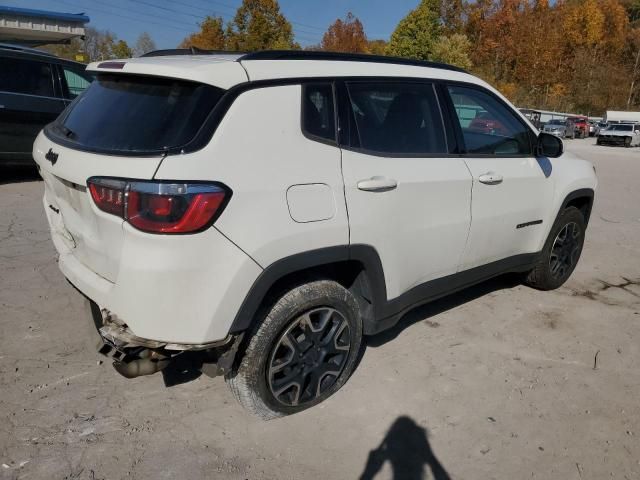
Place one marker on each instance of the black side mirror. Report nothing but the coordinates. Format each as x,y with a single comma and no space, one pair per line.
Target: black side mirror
549,146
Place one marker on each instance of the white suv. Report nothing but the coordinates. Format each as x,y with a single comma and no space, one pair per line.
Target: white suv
260,213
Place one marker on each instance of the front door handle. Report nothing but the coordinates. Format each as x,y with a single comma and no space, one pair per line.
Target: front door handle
377,184
490,178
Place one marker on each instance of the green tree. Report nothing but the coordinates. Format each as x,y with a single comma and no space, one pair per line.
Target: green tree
453,49
345,36
417,32
210,37
144,44
259,25
377,47
121,49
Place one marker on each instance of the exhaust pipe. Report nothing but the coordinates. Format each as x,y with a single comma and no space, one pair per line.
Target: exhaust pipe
149,363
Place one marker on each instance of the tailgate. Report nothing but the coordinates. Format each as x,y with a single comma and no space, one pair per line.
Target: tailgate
93,237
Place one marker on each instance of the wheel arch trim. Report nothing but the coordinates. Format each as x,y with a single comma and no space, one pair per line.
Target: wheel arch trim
366,255
579,193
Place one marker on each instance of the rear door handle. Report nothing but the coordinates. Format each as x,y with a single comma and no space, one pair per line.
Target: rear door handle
490,178
377,184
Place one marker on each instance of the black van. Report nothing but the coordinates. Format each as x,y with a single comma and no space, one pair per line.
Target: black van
35,87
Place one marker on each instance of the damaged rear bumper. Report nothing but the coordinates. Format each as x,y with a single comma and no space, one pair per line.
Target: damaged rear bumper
135,356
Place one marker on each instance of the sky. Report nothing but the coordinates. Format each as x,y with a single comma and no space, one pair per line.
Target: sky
169,21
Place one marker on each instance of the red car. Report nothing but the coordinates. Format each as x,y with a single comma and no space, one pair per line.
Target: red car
484,123
581,126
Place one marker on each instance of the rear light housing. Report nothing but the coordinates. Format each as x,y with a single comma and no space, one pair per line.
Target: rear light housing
164,207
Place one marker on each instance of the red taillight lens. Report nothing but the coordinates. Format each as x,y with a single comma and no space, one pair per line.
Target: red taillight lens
160,207
109,196
172,214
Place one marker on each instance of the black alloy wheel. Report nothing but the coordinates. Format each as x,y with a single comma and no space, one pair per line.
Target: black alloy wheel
565,251
309,356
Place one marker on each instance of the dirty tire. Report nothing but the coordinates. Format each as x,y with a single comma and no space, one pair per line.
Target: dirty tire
249,381
542,277
627,142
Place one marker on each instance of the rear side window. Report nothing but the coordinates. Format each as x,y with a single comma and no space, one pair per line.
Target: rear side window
137,114
76,82
318,117
488,126
26,76
398,118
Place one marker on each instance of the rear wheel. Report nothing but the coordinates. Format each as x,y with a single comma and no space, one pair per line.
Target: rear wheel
301,353
561,252
627,142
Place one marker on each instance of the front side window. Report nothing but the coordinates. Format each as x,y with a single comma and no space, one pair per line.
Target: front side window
488,126
397,118
122,113
318,118
26,76
76,82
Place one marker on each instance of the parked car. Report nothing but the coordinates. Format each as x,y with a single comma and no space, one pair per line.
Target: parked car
34,88
581,126
622,134
600,126
485,123
560,128
592,128
201,203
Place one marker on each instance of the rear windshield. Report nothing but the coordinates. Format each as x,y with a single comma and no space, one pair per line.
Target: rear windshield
622,128
136,114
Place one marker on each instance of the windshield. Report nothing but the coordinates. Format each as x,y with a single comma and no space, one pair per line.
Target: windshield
556,122
621,128
128,113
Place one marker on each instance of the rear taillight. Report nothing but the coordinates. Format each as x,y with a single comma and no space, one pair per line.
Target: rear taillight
160,207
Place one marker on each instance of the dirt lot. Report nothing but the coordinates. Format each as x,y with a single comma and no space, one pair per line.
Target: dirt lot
501,378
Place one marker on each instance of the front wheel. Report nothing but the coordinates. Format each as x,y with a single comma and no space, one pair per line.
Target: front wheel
561,251
627,142
301,353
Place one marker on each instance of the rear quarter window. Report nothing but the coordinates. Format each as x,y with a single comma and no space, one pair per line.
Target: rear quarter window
318,113
123,114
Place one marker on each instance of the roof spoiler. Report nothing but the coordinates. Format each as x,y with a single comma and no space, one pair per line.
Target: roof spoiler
188,51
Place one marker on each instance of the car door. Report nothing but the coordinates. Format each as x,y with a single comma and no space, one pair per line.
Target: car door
28,101
406,195
512,189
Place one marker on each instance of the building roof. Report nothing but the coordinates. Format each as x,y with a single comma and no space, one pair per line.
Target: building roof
29,12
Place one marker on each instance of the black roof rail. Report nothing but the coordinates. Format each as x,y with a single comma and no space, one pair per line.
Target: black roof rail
344,57
188,51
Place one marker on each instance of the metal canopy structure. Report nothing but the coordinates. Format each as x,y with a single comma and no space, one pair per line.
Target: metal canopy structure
25,26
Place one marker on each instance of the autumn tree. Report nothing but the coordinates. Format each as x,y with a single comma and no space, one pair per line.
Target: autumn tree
453,14
259,25
210,37
345,36
144,44
417,32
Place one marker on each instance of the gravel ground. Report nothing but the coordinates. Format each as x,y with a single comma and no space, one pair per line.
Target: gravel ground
499,381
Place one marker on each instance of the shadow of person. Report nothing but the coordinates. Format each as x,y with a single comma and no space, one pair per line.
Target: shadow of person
407,449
